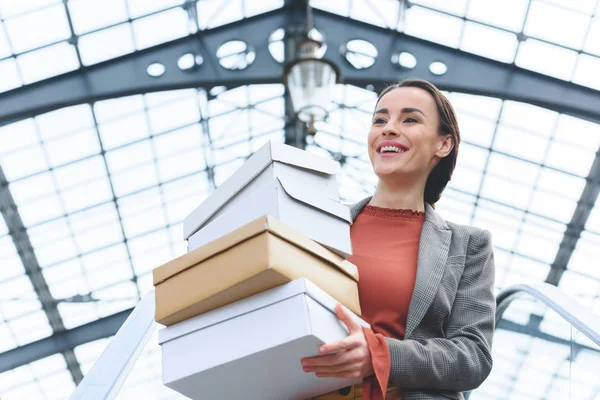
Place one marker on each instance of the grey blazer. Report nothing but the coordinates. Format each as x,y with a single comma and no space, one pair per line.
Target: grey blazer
450,322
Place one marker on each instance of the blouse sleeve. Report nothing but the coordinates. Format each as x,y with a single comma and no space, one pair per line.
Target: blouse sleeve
375,386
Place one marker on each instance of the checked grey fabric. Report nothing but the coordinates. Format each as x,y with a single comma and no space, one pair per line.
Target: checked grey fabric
448,344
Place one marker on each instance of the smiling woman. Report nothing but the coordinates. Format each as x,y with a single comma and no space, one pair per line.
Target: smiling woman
426,285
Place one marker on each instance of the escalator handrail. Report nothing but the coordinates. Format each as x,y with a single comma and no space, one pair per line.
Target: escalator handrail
579,316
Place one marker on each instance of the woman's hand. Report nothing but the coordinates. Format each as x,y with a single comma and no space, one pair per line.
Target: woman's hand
352,358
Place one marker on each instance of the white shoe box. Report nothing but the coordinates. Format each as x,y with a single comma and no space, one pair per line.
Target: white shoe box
252,349
294,186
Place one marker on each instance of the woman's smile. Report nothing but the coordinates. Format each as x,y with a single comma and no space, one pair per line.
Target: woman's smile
391,149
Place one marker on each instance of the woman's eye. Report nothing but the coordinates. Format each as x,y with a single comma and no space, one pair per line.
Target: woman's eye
410,120
379,121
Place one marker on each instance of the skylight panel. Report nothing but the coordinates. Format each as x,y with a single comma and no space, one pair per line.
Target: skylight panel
419,20
457,7
484,107
512,169
340,7
213,13
106,44
65,121
583,6
530,118
524,270
126,157
18,135
30,390
556,24
57,386
150,250
29,189
465,178
58,250
586,73
471,156
80,172
38,28
546,59
48,62
43,234
592,44
580,287
147,35
4,43
560,183
537,243
508,14
123,131
176,141
41,210
89,15
578,132
13,8
138,8
511,193
134,179
383,13
181,164
252,7
503,222
24,162
72,147
477,39
76,314
475,130
102,233
570,159
30,328
593,222
518,143
86,195
144,221
10,75
553,206
112,109
174,114
108,274
183,195
3,228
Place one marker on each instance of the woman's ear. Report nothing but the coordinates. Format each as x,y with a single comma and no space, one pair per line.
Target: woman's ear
445,145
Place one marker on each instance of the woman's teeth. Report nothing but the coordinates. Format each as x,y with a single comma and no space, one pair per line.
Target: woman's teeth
391,149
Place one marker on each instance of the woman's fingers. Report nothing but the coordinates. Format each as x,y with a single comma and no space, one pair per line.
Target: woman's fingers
341,345
355,374
345,317
328,369
344,357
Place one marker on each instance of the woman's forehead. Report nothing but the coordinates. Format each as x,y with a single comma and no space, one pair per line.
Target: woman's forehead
407,97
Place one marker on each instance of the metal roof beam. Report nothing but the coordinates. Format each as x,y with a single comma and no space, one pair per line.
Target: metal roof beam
18,232
467,73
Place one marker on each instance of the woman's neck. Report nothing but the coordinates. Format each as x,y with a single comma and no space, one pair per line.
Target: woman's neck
409,197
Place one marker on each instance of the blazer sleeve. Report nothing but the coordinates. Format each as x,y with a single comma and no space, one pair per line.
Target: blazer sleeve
462,360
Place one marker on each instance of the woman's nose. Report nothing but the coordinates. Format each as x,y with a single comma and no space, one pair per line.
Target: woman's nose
389,132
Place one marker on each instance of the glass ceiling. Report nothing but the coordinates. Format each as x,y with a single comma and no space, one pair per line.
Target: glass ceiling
103,188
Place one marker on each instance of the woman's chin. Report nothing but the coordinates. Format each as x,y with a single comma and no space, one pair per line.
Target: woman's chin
385,170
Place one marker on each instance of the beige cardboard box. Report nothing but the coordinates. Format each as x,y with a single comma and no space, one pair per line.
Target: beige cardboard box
296,187
258,256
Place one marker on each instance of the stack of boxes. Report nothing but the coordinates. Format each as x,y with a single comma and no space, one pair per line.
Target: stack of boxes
257,290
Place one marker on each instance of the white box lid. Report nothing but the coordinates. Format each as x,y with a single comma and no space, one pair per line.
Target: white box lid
260,160
247,305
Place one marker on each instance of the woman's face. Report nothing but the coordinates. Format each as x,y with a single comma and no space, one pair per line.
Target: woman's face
404,139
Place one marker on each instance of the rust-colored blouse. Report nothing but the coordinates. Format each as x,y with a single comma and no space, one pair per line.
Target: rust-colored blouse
385,246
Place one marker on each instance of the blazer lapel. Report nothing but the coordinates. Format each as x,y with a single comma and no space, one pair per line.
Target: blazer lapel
434,245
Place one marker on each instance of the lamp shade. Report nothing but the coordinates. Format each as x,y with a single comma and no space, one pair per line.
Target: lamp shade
310,83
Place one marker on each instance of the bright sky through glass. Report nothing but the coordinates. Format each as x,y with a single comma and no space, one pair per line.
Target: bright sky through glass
103,188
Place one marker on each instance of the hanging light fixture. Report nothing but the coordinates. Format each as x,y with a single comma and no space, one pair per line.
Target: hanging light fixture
310,81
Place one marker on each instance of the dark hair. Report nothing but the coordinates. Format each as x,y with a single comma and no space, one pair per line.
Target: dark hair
442,172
